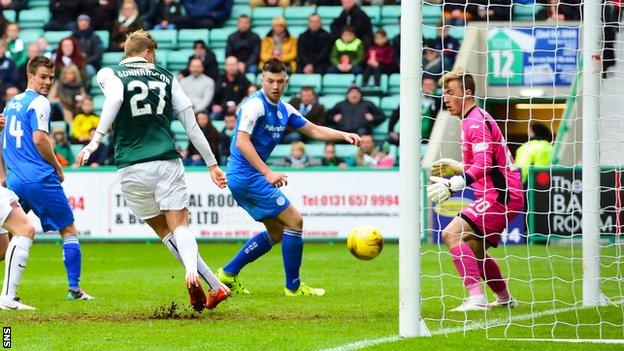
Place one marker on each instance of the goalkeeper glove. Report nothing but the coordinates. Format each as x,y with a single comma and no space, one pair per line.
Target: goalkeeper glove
443,188
447,167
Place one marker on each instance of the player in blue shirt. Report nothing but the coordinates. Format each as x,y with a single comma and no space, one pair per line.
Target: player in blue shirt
32,170
262,118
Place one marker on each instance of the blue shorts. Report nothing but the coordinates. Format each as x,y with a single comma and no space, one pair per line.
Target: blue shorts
257,196
46,199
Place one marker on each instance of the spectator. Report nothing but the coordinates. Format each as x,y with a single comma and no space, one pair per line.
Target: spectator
279,44
33,50
244,45
298,157
379,59
493,10
68,92
431,102
64,13
84,122
557,10
225,137
62,148
383,158
537,151
367,153
355,115
100,155
89,43
44,47
233,89
447,46
458,12
147,12
269,3
68,54
103,13
330,158
431,61
127,21
352,15
8,70
9,94
3,24
202,52
347,54
16,49
396,50
193,158
206,13
198,87
168,15
309,108
313,47
11,5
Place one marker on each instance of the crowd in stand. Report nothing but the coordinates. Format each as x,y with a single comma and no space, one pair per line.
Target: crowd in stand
350,46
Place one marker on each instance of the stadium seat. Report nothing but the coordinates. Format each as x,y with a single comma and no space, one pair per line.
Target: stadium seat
186,37
167,39
251,77
328,13
458,33
31,35
98,103
298,15
76,148
161,57
345,151
262,31
382,89
219,125
297,81
296,31
263,16
218,37
376,100
392,30
329,101
390,14
104,37
111,58
38,3
432,14
58,124
429,31
241,3
394,84
316,150
220,55
94,87
380,132
10,15
389,104
374,13
335,83
34,18
280,151
525,12
237,10
178,60
54,38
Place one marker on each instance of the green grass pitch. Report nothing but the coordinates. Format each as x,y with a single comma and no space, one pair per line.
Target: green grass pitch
136,284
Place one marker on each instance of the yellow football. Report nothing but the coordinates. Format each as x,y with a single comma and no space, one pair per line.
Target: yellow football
365,242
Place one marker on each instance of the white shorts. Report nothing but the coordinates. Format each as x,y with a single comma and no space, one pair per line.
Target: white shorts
7,197
155,186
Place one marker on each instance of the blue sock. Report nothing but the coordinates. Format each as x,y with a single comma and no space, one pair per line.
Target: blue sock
251,251
72,257
292,251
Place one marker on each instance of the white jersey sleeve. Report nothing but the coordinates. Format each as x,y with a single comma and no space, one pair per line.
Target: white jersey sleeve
113,90
248,115
179,100
41,108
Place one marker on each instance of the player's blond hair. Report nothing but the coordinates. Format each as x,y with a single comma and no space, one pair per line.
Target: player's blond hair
466,80
139,41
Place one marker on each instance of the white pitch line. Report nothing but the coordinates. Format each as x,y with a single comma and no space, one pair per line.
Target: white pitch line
572,341
358,345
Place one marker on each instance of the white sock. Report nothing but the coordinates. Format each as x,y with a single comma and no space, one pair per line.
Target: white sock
202,268
16,258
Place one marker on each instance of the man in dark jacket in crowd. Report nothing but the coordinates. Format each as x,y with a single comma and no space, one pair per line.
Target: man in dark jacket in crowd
352,15
202,52
206,13
90,44
8,70
355,115
232,88
64,13
103,14
309,107
244,45
313,47
168,15
147,9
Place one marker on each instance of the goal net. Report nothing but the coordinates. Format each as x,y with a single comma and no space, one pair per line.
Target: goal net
528,59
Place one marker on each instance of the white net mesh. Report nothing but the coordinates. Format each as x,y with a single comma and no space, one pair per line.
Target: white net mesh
526,61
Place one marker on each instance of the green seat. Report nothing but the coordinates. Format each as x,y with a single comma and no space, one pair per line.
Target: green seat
34,18
432,14
458,33
219,125
525,12
104,37
297,81
76,148
374,12
58,125
380,132
392,30
429,32
94,87
329,101
10,15
345,151
178,60
281,151
394,84
220,55
186,37
376,100
328,13
336,83
316,150
241,3
161,57
382,89
111,58
98,103
298,15
251,77
389,104
54,38
262,31
263,16
218,37
166,39
237,10
296,31
38,3
31,35
390,14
